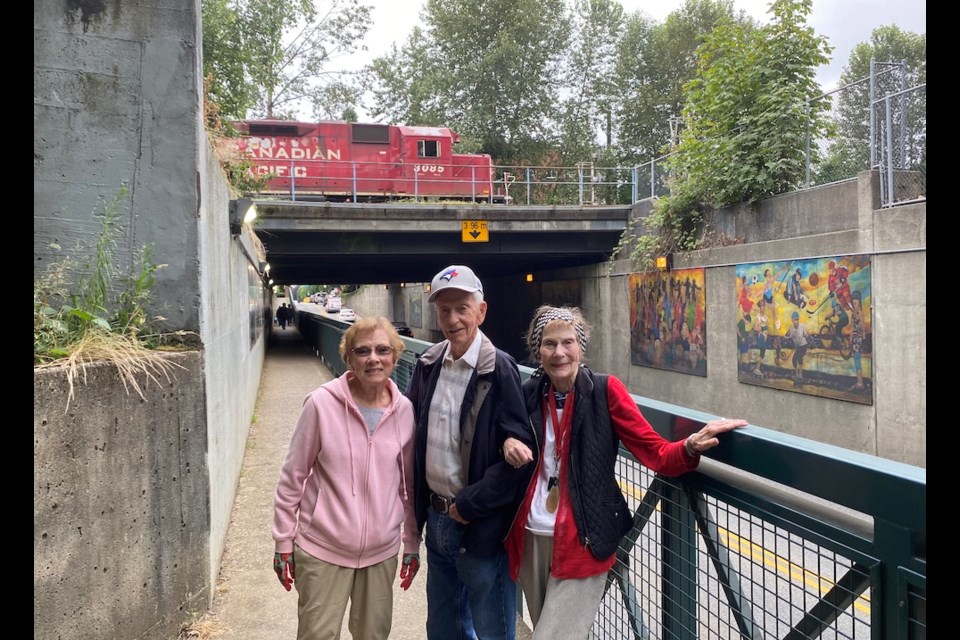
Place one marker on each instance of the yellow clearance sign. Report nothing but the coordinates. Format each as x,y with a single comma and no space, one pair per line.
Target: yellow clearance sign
474,231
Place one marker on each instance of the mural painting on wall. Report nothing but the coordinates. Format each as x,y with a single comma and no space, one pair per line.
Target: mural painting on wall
805,325
415,306
668,322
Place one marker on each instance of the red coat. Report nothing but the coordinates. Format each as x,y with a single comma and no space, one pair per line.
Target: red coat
570,560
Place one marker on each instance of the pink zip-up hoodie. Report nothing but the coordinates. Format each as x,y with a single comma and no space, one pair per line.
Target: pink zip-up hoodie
343,494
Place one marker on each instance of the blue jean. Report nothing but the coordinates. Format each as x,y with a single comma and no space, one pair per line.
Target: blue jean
468,597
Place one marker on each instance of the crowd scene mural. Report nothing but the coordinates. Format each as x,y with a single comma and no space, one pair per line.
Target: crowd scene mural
805,325
668,321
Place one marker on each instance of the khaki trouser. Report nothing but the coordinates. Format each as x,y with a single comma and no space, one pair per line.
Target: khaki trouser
559,609
324,590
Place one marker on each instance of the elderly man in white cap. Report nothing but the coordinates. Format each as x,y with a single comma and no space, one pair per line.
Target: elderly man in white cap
467,401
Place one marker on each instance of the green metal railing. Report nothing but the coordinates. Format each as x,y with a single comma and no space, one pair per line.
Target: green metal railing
774,536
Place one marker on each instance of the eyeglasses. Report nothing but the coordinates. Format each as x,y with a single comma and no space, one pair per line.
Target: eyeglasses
362,352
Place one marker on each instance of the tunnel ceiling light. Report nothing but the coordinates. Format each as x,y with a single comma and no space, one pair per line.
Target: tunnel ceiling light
242,211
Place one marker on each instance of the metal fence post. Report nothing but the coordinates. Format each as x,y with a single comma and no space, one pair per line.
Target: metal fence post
873,115
580,181
889,145
653,177
528,185
293,179
353,165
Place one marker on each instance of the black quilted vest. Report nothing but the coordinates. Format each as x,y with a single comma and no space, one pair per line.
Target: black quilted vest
599,509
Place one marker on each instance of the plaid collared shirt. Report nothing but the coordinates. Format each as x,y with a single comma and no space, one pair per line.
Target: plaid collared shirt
444,472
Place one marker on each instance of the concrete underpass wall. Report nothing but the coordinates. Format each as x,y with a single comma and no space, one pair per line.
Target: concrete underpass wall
133,497
235,329
894,427
117,94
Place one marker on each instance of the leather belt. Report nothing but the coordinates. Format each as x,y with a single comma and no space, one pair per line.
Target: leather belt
439,503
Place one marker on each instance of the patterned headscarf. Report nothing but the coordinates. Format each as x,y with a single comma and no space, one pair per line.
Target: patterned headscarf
548,316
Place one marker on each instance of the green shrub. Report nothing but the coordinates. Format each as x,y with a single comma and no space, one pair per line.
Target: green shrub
96,312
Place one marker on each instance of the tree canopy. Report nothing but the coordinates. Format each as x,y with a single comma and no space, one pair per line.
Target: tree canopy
486,68
568,82
272,58
899,63
748,110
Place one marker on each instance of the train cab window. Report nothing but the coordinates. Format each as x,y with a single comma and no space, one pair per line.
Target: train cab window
428,148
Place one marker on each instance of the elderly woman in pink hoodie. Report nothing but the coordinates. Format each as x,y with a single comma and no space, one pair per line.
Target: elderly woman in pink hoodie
344,501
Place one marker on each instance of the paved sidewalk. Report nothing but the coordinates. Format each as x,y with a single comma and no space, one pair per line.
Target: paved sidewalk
250,603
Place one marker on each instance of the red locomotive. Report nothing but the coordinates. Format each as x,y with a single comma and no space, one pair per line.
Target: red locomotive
343,161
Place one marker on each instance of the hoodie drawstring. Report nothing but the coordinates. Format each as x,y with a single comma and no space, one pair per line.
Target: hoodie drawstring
353,470
403,473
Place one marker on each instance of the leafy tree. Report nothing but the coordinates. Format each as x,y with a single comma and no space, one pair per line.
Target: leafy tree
271,58
900,61
486,68
406,84
654,61
291,44
747,114
501,59
589,78
224,61
337,100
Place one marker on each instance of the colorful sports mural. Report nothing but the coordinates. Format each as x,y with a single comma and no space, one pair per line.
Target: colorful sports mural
806,326
668,321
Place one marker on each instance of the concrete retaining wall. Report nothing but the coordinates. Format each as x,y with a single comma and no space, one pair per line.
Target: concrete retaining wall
894,427
121,512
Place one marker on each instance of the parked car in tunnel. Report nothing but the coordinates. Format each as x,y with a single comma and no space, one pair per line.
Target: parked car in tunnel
402,328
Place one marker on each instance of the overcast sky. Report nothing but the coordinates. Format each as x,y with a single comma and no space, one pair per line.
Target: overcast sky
845,23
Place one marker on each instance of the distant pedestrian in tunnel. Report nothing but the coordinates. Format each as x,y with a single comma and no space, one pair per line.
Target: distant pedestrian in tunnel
345,490
564,539
283,315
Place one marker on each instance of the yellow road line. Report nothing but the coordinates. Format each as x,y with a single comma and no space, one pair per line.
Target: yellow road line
794,572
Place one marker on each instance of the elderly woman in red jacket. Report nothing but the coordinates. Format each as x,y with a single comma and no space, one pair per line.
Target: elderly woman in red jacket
564,539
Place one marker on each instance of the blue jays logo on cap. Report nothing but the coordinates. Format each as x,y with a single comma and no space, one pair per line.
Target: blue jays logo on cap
454,276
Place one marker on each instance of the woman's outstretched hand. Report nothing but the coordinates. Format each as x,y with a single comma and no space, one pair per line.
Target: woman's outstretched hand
706,437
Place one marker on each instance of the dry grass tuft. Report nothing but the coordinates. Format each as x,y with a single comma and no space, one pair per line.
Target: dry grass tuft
203,628
131,358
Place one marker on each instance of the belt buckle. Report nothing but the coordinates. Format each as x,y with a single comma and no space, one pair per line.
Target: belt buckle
440,503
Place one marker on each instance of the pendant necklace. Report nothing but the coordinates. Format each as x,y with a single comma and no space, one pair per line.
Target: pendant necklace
560,428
